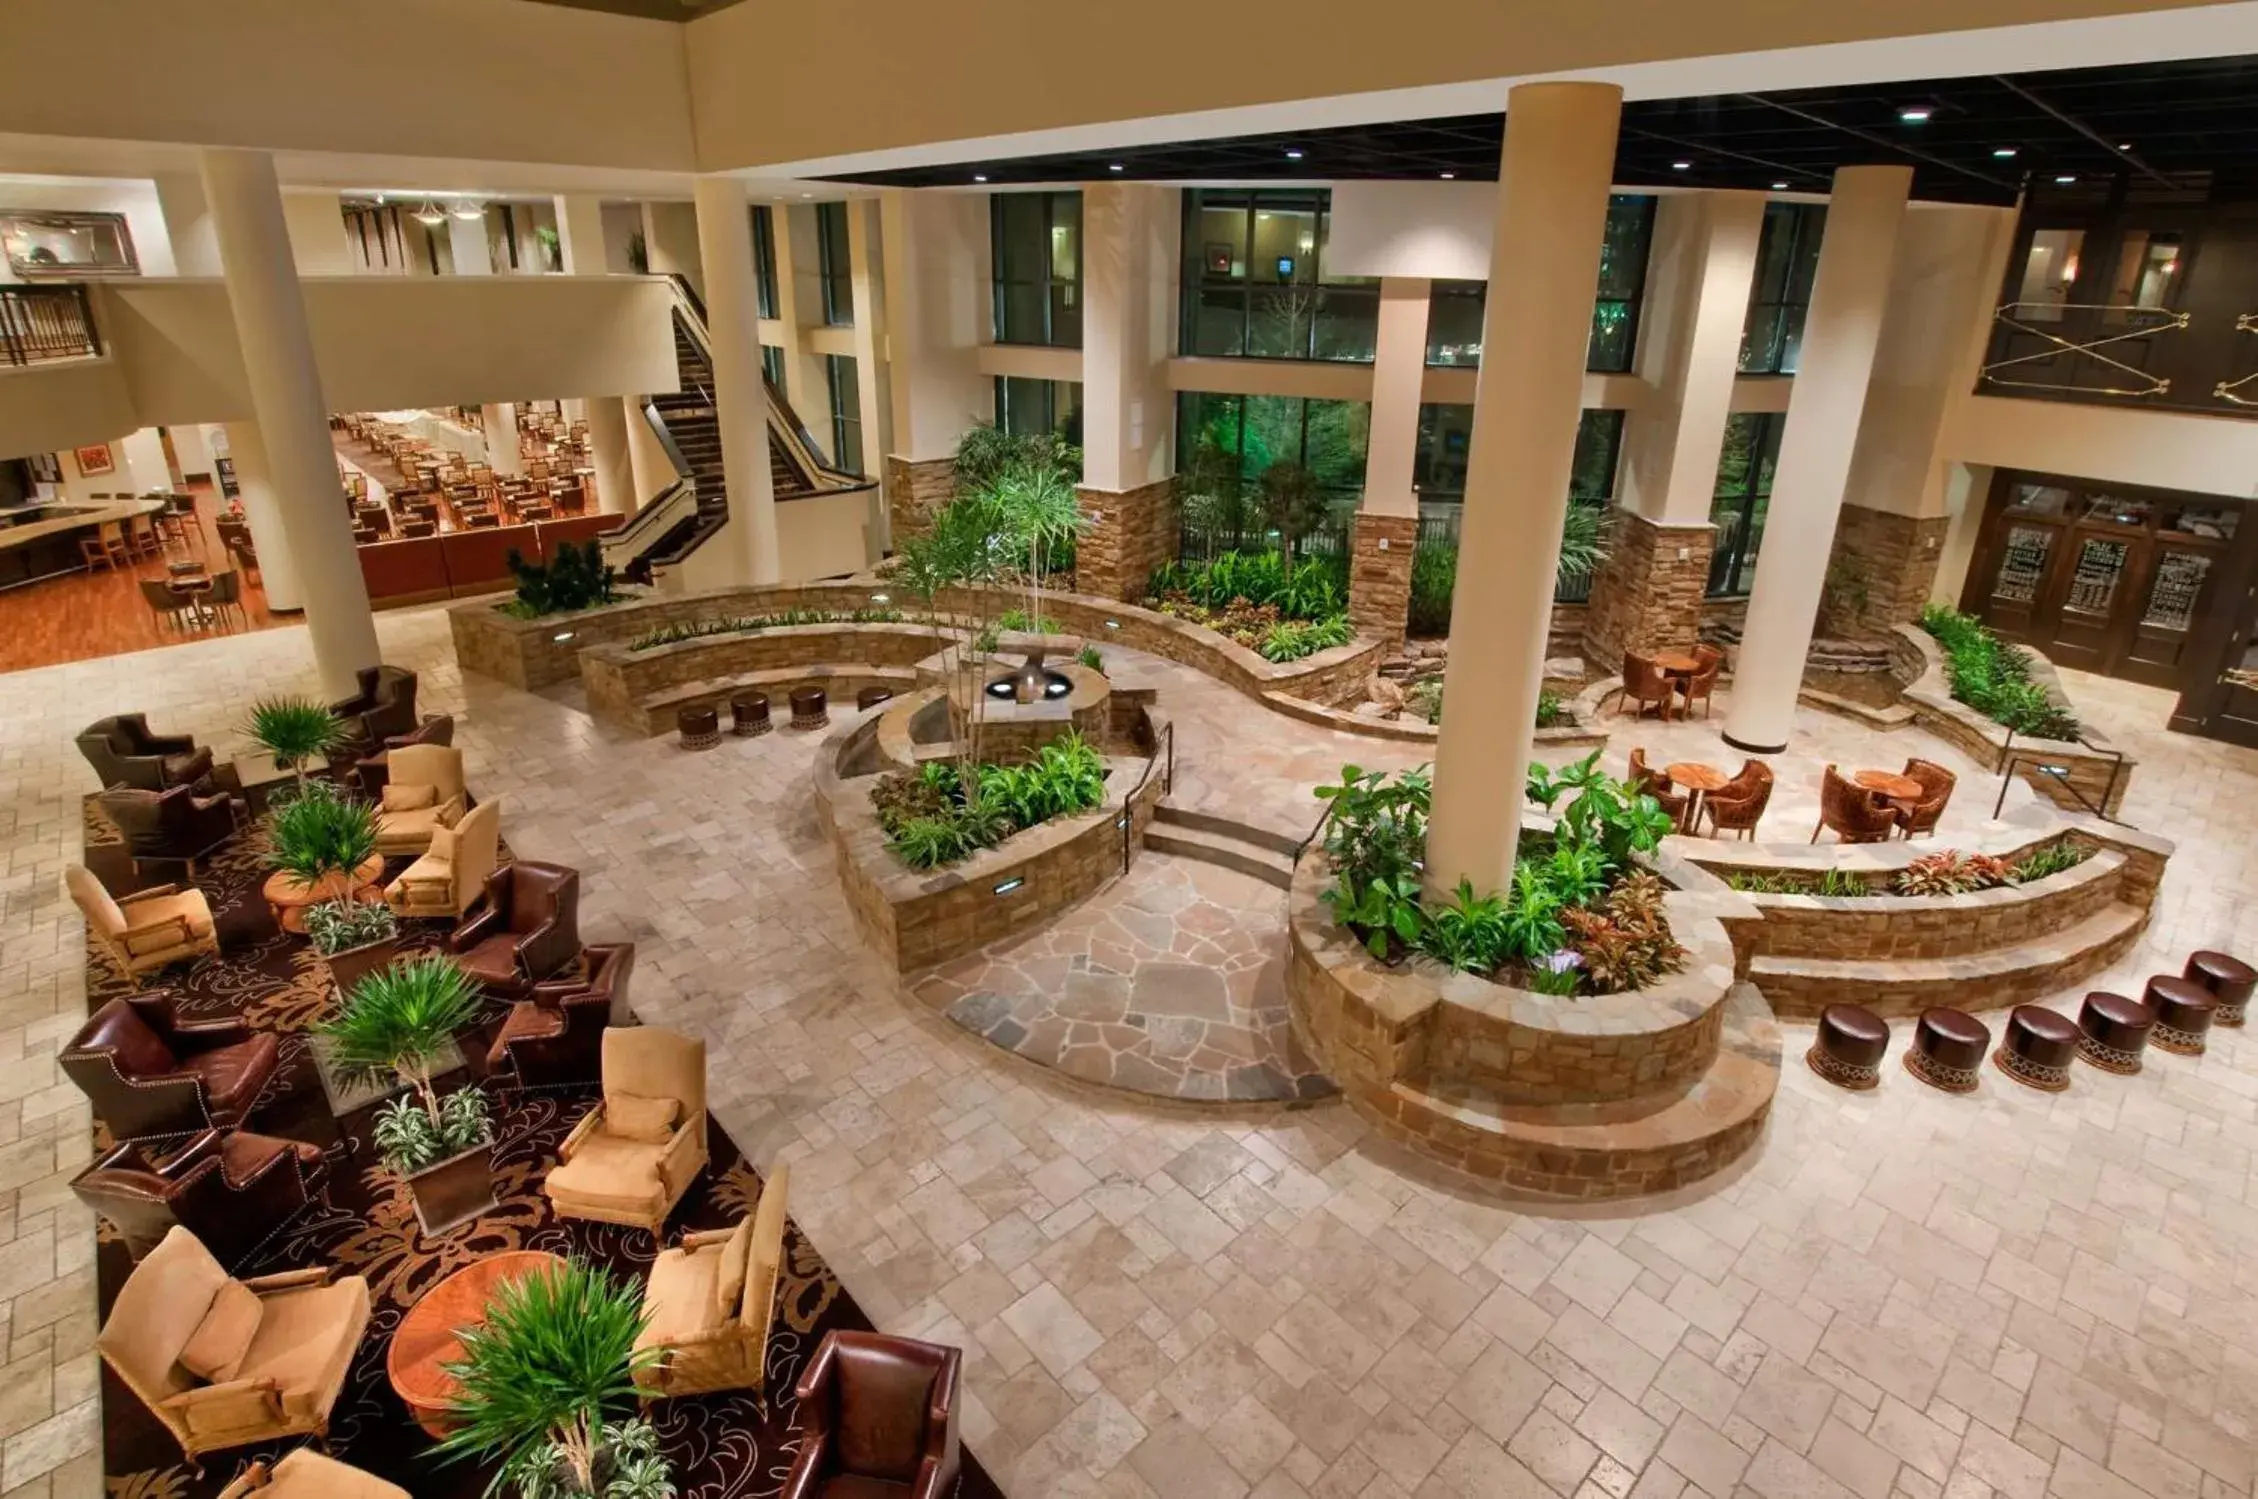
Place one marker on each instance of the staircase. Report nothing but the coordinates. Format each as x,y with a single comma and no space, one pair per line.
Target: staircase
1223,842
688,427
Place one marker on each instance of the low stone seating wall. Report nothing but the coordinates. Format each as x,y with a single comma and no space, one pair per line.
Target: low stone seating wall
918,918
1579,735
1591,1097
1917,661
641,689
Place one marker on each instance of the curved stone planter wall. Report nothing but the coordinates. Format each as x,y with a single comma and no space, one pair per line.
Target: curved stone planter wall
1918,662
1579,1097
641,690
917,918
1414,731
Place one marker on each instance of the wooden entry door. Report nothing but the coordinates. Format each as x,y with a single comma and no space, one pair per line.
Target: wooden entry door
2088,602
2169,601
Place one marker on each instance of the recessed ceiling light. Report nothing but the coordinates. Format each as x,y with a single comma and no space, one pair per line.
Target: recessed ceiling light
1114,166
1293,153
1779,187
2003,152
980,176
1449,176
2066,178
1915,114
2124,145
1681,166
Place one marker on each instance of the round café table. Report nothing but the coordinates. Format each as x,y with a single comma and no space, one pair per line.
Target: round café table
1889,786
430,1335
1699,779
287,896
1677,663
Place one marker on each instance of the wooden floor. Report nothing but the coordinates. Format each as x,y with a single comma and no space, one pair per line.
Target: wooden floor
78,616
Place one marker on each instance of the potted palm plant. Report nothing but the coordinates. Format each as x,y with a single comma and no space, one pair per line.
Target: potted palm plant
321,840
399,1023
353,937
293,730
540,1379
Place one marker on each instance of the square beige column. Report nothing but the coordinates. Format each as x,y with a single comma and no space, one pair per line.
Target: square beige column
499,419
749,551
467,243
1849,297
1701,270
1386,529
873,383
1544,278
1130,233
580,234
672,241
937,314
799,314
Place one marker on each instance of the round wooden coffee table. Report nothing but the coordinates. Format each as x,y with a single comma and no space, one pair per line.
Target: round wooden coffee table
1889,785
1677,663
430,1334
1699,779
288,896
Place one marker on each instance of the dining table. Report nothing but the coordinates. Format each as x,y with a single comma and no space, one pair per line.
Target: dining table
1901,791
1699,780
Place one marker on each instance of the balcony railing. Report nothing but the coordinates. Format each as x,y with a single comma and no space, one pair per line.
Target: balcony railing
2238,392
2073,347
39,323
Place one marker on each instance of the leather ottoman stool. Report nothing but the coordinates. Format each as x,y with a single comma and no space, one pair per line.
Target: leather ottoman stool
811,709
2039,1048
700,728
2113,1031
1948,1050
2230,981
748,714
1848,1049
871,697
2183,1010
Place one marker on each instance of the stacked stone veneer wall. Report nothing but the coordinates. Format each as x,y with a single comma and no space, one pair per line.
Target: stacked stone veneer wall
1418,731
917,918
1380,550
915,488
1647,596
1131,532
641,689
2092,767
1883,564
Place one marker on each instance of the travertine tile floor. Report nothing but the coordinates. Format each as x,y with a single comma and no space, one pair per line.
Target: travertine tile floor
1904,1293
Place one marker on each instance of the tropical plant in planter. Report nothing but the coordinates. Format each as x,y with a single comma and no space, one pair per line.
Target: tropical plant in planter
293,730
400,1022
539,1379
320,838
353,937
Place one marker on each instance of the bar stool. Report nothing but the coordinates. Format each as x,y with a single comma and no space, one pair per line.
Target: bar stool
1849,1047
871,697
699,726
1948,1050
2113,1032
2230,981
811,708
748,714
2183,1010
2039,1047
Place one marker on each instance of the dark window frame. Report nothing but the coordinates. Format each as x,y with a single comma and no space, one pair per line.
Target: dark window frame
1732,558
1336,302
1629,214
835,264
1776,312
764,261
1057,291
1053,419
840,379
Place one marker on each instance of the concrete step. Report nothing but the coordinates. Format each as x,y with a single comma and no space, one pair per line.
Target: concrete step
1594,1151
1223,851
1993,979
1228,827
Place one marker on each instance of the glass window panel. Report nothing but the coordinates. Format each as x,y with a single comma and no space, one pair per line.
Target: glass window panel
1220,322
772,364
2093,582
1285,246
2022,564
1066,236
833,263
1335,439
1612,330
1066,317
1023,232
2050,269
1791,338
2148,270
2039,499
764,259
1439,466
2172,597
1622,252
2119,510
2202,520
1760,339
1348,323
1787,259
1279,320
1221,244
1591,475
1023,304
1454,322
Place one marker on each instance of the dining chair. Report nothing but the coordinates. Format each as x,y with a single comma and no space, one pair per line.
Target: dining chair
167,605
226,597
92,554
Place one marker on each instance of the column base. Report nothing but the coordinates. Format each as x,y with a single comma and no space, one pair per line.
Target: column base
1881,571
1647,595
1754,749
1380,548
1131,532
915,488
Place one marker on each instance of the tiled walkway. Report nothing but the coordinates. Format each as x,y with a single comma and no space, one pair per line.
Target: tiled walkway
1904,1293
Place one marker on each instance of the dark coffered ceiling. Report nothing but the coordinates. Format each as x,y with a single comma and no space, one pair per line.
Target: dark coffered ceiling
1970,140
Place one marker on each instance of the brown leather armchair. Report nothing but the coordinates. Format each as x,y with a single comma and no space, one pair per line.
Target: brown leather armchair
524,927
151,1073
556,1038
232,1190
123,752
876,1415
174,826
1738,805
1936,791
373,772
1855,814
384,707
1644,683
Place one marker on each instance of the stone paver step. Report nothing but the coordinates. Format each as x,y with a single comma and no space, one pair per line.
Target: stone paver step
1222,850
1799,988
1595,1150
1228,827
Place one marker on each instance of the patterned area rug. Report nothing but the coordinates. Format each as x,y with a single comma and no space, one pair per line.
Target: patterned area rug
718,1445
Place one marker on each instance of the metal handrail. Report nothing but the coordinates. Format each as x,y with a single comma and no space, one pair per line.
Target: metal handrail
1302,847
2006,315
2060,774
2231,390
1166,742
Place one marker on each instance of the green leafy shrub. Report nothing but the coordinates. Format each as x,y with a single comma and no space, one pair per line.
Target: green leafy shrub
1434,576
1088,656
1385,909
1627,943
1951,872
576,578
1290,640
1994,678
336,926
1841,884
742,624
2050,859
1552,713
1610,814
401,1022
1377,828
293,730
929,823
323,834
1467,931
1016,618
409,1138
1315,588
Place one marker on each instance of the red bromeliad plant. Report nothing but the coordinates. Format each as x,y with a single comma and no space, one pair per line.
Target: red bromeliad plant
1951,872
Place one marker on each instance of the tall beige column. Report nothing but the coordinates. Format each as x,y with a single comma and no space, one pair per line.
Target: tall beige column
466,242
1387,518
799,313
286,398
866,257
188,224
1129,238
262,510
1647,596
1848,299
1544,276
937,316
499,418
580,234
740,398
607,446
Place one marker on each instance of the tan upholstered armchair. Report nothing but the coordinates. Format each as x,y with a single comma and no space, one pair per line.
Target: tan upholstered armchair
226,1362
712,1302
424,790
306,1474
148,929
453,869
632,1156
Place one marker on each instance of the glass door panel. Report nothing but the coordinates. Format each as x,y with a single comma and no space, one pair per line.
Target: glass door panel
2090,601
2168,616
2019,579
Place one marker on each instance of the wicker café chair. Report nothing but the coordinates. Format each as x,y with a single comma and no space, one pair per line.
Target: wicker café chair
1703,682
1657,785
1855,814
1936,790
1645,682
1738,805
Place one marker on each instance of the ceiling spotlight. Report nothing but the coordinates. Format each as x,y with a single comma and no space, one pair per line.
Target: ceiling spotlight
1293,153
2003,152
1915,114
2124,145
1681,166
1779,187
467,210
1115,166
431,214
2065,179
980,176
1449,176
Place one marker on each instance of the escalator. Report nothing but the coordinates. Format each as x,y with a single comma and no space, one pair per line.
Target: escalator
687,427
